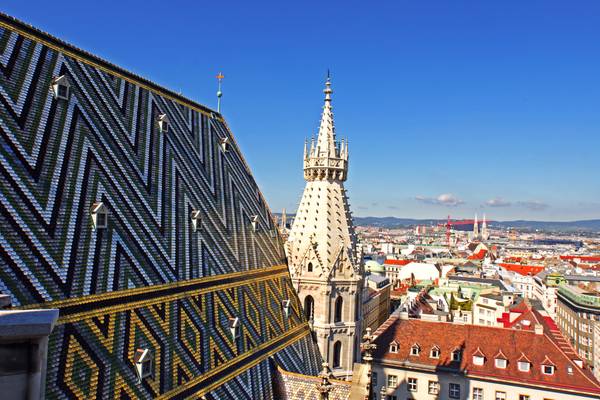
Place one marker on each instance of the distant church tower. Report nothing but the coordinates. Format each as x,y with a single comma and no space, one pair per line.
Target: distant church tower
324,260
484,231
475,229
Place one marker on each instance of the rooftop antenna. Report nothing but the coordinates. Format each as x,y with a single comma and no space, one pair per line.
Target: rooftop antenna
220,77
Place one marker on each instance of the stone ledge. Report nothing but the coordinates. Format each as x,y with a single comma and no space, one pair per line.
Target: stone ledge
23,324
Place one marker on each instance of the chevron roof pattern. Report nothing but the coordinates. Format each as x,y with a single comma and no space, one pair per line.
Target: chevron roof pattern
189,242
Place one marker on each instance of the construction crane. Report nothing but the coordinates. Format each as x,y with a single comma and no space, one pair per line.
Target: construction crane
450,223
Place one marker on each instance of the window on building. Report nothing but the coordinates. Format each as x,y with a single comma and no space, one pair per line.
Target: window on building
456,355
524,366
478,360
339,306
224,143
524,397
196,220
477,393
309,306
501,363
99,215
412,384
415,350
60,87
500,395
548,369
393,347
391,397
254,222
433,387
234,327
435,352
285,304
144,363
392,381
309,267
454,391
337,354
163,123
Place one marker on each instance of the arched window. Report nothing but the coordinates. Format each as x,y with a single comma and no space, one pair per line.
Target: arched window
309,305
339,306
309,267
337,354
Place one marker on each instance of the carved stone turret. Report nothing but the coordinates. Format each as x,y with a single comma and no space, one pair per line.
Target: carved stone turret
324,259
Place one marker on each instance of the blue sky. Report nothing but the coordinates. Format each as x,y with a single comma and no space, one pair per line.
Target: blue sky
450,107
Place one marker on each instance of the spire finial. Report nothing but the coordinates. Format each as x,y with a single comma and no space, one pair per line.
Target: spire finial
328,90
220,77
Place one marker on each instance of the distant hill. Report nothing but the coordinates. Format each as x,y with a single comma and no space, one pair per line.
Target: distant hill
393,222
590,225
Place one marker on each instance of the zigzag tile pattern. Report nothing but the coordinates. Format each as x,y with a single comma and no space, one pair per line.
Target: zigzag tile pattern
103,144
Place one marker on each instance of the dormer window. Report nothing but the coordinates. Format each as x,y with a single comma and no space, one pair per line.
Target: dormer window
548,369
224,143
415,350
163,123
99,215
61,87
456,355
524,366
234,325
393,347
435,352
523,363
569,370
547,366
196,220
478,357
286,307
500,360
254,222
144,363
478,360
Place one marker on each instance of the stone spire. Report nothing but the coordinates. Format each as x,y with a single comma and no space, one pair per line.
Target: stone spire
324,260
327,158
475,228
484,230
283,220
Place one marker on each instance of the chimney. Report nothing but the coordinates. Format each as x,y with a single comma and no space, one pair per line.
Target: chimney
539,329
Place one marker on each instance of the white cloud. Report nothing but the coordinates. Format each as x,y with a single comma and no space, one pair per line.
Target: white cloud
498,202
534,205
445,199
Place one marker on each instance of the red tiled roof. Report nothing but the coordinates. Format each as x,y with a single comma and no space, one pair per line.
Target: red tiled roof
520,307
513,343
390,261
479,256
523,269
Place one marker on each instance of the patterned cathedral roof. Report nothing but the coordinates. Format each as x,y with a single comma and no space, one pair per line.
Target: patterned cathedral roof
131,210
